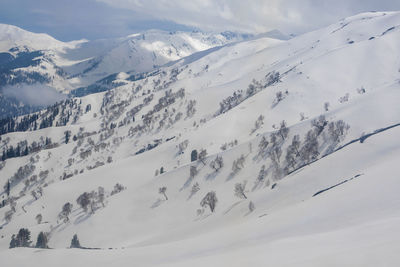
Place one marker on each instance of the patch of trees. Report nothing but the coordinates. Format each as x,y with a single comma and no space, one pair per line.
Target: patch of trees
23,239
323,136
166,119
22,173
231,144
253,88
91,201
191,108
230,102
27,122
24,149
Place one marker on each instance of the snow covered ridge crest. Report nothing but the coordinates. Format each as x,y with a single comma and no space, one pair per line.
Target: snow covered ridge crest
239,153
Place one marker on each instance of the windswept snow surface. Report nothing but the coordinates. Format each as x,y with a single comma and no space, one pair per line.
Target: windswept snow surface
354,223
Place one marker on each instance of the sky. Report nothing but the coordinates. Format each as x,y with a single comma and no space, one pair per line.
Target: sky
93,19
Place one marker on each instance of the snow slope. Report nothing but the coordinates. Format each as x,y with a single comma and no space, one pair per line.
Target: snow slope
12,36
141,124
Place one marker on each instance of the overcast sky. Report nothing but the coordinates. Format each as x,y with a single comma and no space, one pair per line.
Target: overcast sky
93,19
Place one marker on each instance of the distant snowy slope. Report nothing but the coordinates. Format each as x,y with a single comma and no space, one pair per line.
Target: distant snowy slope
12,36
38,59
144,52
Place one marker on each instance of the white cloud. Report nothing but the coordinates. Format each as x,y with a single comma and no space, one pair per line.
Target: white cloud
254,15
34,94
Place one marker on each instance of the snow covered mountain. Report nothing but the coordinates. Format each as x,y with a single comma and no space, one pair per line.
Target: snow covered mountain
261,152
83,67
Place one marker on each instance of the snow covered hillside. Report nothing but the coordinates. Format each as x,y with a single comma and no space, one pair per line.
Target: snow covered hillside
261,152
38,59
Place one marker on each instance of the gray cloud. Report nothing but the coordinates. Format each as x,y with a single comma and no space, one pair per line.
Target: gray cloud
69,20
35,95
255,15
93,19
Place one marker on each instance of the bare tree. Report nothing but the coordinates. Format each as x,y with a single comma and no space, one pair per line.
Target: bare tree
217,163
279,97
8,215
326,106
209,200
39,218
191,108
13,203
195,189
261,174
238,164
262,146
337,130
290,158
182,146
202,156
259,122
252,207
296,144
283,130
162,191
293,151
65,212
309,151
101,195
84,201
34,194
319,124
193,171
117,188
302,116
239,190
276,153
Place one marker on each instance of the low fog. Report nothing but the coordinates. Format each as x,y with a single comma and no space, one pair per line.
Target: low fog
34,94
